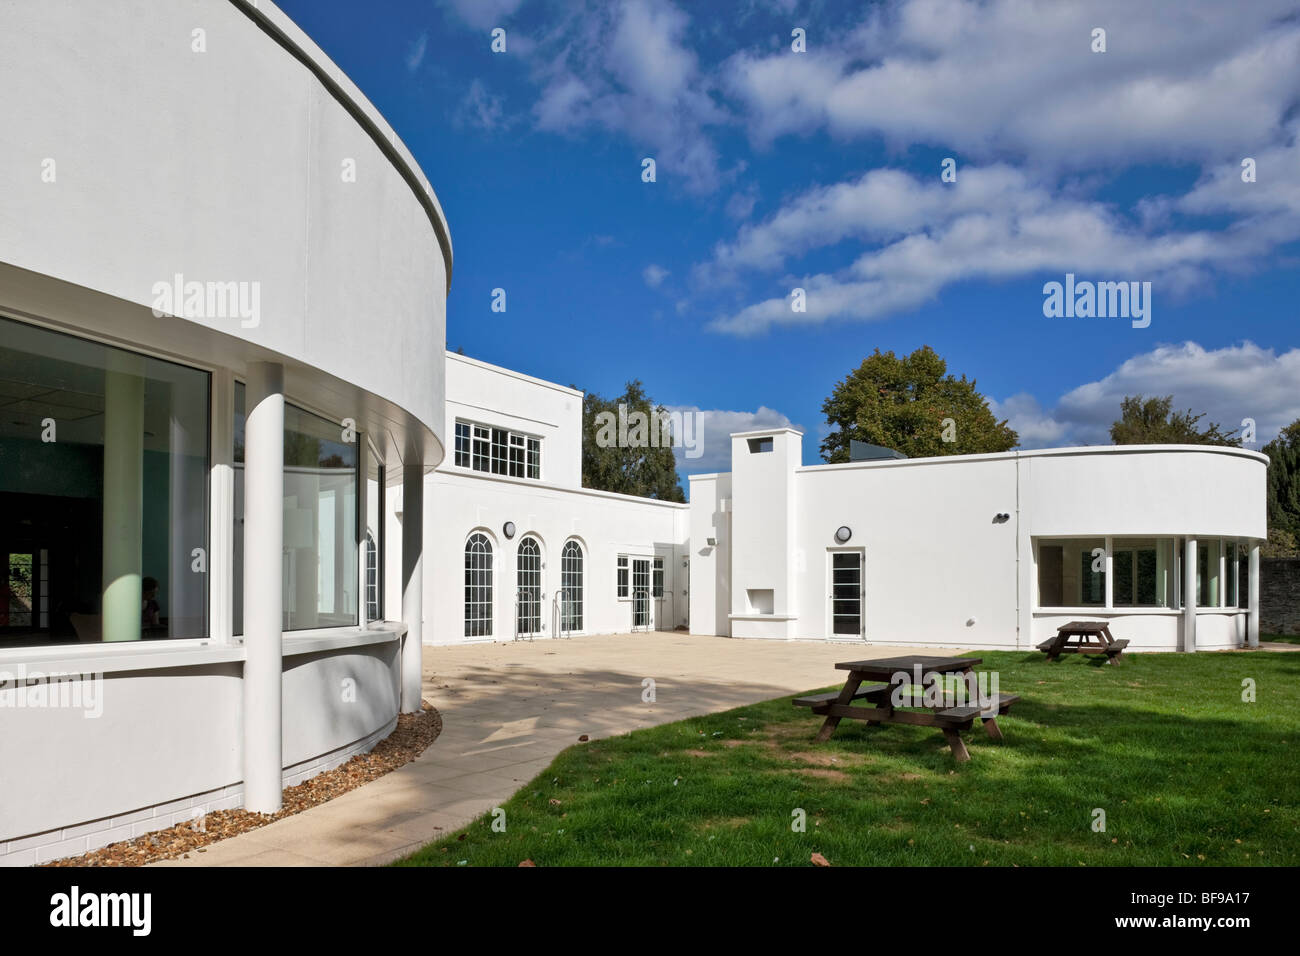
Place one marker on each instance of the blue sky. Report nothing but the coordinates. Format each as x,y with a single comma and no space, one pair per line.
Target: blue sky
821,170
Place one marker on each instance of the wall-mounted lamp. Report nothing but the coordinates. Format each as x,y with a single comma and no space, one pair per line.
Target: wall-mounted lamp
843,533
711,542
1001,517
508,529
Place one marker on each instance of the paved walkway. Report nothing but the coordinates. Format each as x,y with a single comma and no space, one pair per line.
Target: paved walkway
508,709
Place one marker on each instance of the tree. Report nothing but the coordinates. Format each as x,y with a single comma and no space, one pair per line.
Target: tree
911,404
1284,481
1152,421
629,450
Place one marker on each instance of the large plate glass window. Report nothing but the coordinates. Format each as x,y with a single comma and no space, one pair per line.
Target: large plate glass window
1072,572
1144,572
319,559
103,492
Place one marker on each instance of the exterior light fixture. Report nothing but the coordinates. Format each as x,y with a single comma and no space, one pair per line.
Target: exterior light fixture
1001,517
711,542
843,533
508,529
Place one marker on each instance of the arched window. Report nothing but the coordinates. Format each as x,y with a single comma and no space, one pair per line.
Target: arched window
372,579
528,613
478,586
571,587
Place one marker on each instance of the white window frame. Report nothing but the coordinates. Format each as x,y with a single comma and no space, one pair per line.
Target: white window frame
516,455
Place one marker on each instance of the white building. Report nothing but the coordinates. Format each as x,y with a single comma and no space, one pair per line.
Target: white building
241,482
516,547
980,551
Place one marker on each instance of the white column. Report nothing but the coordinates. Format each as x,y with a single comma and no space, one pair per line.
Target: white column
263,595
1109,565
184,594
1189,594
1252,621
363,518
221,528
412,581
122,603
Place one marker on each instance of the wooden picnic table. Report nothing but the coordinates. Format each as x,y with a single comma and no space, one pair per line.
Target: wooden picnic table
1084,637
950,717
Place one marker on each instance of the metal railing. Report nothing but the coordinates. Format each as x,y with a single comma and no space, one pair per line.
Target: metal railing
524,597
560,621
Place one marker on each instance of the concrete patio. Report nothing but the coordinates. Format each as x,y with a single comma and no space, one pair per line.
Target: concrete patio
508,709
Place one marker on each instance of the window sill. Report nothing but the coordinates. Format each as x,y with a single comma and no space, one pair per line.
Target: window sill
333,638
101,658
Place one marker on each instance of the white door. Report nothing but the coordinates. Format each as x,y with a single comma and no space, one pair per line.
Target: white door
642,600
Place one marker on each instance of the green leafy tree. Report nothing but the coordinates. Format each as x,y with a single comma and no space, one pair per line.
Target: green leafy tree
1284,481
628,460
1152,421
911,404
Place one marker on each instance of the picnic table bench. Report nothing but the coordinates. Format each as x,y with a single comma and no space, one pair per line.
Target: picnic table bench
1084,637
950,717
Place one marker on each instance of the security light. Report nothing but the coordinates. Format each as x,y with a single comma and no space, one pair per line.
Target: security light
711,542
843,533
508,529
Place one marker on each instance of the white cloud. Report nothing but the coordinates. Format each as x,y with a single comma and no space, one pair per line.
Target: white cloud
1035,426
740,205
1227,384
713,430
415,56
627,68
484,14
1180,80
654,275
993,223
483,109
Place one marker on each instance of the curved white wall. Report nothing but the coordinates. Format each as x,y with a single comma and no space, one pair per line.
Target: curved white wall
162,743
1144,490
129,156
224,166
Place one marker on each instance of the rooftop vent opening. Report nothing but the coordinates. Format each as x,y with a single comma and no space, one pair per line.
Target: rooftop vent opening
757,445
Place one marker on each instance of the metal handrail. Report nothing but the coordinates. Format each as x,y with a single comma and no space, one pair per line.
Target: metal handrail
518,591
558,618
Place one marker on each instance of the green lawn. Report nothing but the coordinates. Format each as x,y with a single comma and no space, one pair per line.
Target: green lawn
1281,638
1187,773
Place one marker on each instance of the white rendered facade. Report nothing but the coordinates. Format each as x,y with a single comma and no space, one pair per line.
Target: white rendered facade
187,492
981,551
553,510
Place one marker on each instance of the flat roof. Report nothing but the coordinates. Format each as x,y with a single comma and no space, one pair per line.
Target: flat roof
502,370
1041,453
